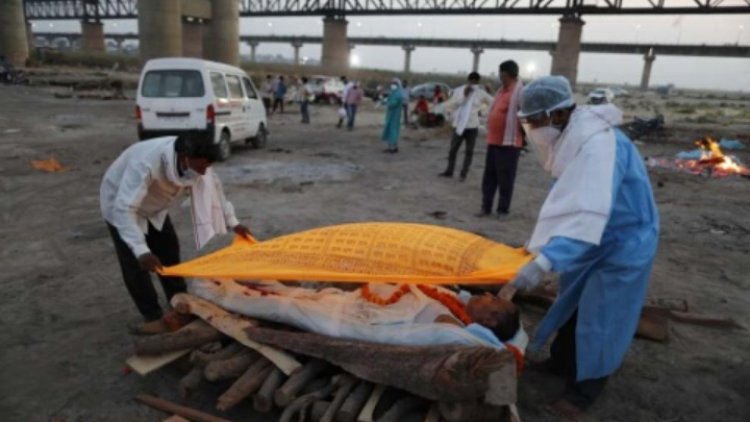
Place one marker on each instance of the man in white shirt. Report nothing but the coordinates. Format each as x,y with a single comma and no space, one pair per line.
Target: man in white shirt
464,105
136,193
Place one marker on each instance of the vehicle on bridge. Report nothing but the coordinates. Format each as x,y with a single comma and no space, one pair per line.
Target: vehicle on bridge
177,95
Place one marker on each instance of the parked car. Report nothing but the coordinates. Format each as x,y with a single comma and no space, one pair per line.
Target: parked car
428,90
327,89
177,95
619,92
600,96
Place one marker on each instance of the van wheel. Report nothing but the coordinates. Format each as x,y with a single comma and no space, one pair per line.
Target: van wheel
260,140
224,147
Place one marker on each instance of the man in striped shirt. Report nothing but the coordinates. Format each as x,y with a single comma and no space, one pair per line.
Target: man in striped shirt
504,142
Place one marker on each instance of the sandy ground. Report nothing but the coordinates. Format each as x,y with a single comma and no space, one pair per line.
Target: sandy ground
64,309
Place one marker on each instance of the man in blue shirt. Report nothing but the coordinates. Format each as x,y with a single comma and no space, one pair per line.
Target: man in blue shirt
598,228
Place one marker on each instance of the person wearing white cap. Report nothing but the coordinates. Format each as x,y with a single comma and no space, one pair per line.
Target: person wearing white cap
598,228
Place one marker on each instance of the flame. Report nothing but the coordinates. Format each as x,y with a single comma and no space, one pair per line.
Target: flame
714,159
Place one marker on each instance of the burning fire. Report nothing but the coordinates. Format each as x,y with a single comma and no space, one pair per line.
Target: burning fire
713,161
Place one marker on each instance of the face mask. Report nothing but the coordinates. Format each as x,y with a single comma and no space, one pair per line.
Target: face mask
394,87
543,139
190,175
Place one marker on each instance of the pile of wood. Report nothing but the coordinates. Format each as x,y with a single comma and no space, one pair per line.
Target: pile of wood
304,376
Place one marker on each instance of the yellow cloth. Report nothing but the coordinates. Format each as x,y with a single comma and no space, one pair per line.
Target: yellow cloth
366,252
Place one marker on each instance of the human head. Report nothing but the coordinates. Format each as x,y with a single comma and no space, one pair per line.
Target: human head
473,78
304,79
269,77
508,72
281,78
343,78
195,151
501,316
546,101
405,83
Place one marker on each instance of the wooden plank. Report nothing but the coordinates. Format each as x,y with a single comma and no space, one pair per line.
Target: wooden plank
189,413
233,326
146,364
366,415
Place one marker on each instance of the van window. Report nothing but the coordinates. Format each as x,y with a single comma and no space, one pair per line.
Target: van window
235,87
220,87
172,84
249,89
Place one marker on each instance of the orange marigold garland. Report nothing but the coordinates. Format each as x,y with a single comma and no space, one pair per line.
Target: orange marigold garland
393,298
449,301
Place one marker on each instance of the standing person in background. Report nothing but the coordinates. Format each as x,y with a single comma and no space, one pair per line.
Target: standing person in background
279,94
439,95
465,104
406,92
305,92
353,99
504,142
393,111
267,90
347,86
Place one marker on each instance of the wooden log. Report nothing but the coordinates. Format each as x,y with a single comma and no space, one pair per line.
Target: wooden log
176,409
451,373
202,358
245,385
318,410
233,326
653,325
402,407
288,391
705,320
345,384
366,415
190,382
303,401
191,335
353,404
472,412
230,368
263,400
144,365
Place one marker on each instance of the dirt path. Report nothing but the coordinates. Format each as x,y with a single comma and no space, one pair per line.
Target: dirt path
63,306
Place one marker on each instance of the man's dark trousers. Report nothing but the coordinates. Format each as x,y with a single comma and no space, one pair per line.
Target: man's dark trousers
581,394
470,136
499,175
163,244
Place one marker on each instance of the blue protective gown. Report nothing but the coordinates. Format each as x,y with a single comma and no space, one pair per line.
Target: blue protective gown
392,129
607,283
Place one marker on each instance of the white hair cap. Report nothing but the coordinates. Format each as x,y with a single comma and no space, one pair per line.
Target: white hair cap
545,94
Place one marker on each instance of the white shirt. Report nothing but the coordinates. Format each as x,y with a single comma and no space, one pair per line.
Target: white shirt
140,186
479,99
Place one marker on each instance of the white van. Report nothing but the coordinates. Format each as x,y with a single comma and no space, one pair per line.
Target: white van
178,95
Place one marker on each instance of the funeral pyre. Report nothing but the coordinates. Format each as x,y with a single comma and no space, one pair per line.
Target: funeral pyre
303,376
708,160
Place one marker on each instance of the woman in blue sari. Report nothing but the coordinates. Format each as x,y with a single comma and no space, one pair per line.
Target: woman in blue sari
392,129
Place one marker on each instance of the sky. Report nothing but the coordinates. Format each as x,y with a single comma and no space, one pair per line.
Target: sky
731,74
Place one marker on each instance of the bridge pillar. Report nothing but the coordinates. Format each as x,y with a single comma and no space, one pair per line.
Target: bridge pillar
223,36
253,48
92,36
407,57
297,45
335,54
13,43
477,51
30,38
648,62
565,59
192,38
119,41
159,29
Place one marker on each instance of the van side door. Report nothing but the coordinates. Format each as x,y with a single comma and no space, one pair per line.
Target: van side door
237,101
256,110
223,114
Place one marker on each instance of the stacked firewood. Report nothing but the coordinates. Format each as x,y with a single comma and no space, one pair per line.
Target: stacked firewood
308,377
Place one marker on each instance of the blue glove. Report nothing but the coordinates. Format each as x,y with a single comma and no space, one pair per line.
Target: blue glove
532,274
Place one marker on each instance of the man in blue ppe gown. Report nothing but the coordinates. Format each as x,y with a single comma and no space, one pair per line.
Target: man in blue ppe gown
598,228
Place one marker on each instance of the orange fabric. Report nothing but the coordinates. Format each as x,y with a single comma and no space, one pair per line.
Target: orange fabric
520,363
365,252
50,166
498,117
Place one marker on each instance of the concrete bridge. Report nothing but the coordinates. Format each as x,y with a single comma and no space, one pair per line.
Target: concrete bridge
477,46
210,28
